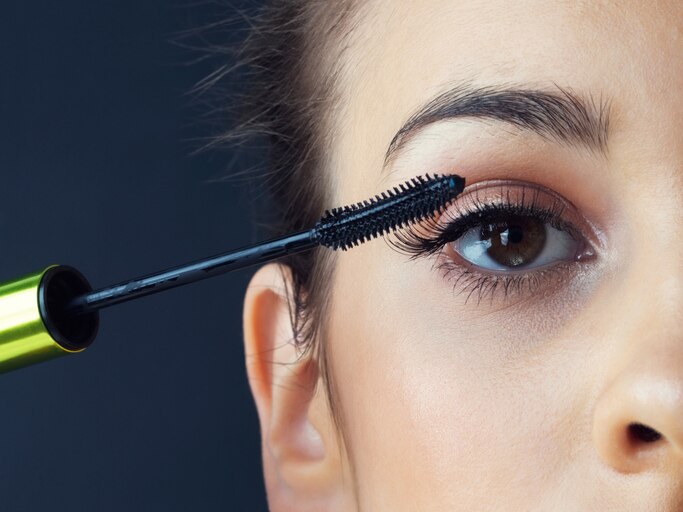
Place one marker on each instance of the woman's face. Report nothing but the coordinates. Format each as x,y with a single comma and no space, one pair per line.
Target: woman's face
470,379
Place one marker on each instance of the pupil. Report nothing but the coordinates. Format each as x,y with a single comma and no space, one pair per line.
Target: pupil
515,234
514,241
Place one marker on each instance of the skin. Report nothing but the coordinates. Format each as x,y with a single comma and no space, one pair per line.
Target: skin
518,402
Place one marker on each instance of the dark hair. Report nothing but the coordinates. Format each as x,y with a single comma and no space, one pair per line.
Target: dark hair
286,69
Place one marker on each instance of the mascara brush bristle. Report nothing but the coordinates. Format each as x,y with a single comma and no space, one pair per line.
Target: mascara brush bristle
409,202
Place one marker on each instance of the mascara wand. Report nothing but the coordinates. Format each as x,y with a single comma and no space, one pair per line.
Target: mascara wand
56,312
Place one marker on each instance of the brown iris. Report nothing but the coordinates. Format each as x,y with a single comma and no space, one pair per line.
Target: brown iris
515,241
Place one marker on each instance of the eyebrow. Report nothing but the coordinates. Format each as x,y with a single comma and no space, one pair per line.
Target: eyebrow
559,114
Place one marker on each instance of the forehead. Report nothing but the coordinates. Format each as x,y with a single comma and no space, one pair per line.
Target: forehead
513,40
404,52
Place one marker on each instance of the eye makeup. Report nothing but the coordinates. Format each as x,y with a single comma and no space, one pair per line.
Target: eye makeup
504,238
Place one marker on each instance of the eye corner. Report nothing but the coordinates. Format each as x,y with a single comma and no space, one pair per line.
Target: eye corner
599,239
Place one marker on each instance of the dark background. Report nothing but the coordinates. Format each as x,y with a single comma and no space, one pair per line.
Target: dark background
96,132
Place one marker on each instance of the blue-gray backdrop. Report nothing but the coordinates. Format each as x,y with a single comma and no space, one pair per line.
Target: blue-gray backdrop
95,140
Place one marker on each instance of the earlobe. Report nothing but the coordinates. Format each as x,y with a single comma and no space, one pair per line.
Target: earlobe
300,447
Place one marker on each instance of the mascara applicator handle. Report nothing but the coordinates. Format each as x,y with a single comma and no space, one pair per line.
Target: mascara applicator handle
192,272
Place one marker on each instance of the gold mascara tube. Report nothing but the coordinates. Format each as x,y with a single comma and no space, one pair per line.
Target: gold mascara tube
33,326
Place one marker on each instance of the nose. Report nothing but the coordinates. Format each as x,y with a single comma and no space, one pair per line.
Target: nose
638,422
638,416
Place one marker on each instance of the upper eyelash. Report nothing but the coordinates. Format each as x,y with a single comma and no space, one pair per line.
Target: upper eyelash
429,237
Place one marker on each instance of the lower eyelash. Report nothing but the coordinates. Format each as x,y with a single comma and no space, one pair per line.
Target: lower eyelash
515,284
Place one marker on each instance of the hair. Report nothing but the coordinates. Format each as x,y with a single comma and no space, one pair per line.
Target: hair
287,67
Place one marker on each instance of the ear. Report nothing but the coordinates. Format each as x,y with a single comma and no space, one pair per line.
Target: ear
301,456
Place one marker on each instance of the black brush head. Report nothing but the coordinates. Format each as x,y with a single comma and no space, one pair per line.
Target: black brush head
414,201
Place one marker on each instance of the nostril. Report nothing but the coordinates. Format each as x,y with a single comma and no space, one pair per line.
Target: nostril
643,433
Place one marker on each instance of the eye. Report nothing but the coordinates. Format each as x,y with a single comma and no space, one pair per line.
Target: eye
515,242
506,237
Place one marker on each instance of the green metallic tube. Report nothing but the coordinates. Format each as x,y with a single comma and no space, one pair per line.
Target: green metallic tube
33,326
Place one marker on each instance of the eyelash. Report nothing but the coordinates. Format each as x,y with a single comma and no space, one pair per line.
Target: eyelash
431,237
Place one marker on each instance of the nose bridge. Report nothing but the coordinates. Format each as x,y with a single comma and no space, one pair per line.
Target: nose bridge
647,311
656,269
650,323
651,251
655,319
645,363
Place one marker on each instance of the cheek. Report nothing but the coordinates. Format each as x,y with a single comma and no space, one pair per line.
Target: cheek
432,403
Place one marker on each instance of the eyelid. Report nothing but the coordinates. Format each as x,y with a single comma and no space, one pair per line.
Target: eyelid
506,192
